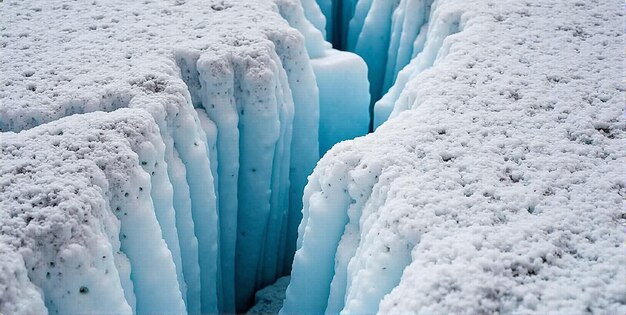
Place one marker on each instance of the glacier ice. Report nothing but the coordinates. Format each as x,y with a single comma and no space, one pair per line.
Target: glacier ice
387,35
233,102
155,155
344,97
90,218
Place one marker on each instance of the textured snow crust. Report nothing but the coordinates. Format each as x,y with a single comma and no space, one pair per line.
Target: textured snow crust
496,187
77,203
236,105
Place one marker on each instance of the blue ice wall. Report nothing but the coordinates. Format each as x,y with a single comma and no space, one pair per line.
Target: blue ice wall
385,33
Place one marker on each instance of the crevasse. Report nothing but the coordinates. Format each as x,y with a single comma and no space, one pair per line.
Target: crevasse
395,46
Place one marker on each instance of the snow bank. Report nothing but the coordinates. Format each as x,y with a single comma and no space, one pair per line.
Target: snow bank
498,184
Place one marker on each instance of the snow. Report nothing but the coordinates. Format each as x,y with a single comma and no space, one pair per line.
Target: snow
269,300
497,185
17,293
87,224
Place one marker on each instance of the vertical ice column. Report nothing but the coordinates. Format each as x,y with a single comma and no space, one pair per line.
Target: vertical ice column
362,189
246,94
209,98
218,89
142,199
194,194
206,222
338,15
315,12
177,175
325,207
326,7
357,22
190,142
184,222
295,14
373,42
273,250
153,270
344,97
304,147
441,24
259,127
152,161
407,21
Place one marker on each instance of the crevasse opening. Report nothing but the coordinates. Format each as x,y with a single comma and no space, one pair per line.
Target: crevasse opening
253,184
397,39
237,122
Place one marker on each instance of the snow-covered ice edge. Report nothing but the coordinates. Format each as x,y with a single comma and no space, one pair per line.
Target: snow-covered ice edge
496,186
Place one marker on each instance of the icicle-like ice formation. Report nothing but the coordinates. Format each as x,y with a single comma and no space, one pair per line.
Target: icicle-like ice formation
429,47
386,34
343,98
497,188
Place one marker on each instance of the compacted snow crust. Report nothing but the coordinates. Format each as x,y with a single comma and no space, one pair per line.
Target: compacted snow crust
497,185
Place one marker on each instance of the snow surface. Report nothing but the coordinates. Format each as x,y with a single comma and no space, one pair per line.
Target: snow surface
235,100
269,300
498,184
